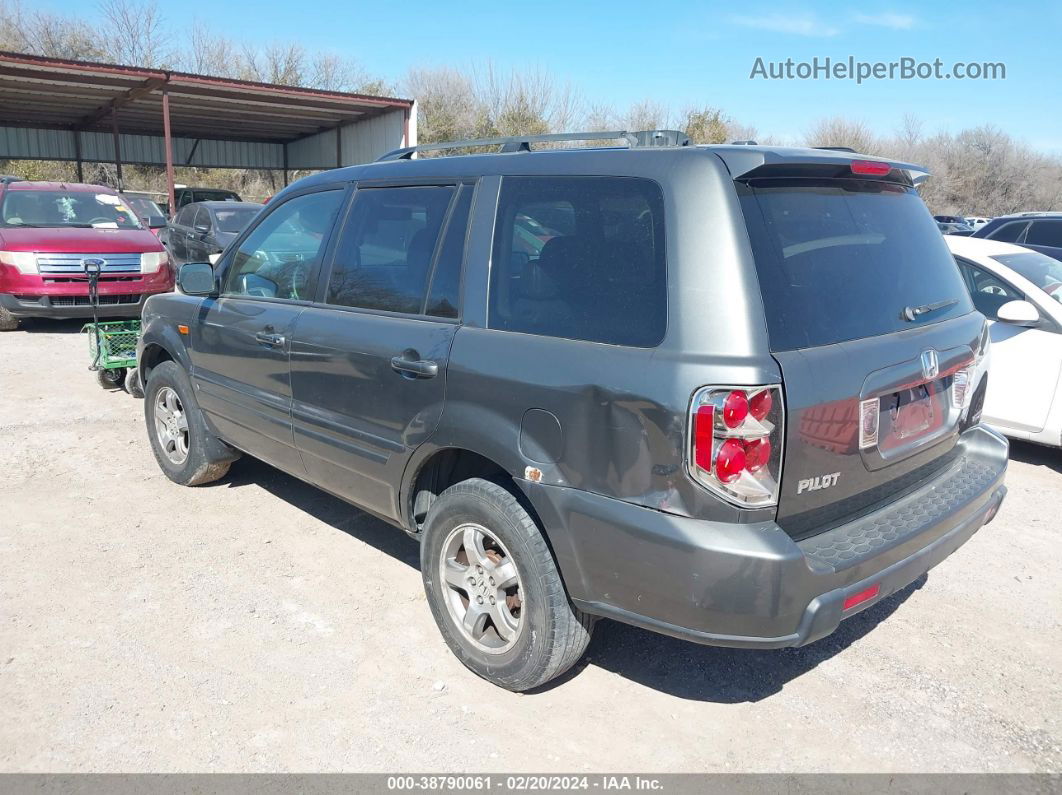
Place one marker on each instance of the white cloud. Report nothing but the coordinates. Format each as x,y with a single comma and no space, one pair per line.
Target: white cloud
886,20
795,24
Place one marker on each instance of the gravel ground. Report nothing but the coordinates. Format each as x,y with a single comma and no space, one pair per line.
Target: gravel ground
260,625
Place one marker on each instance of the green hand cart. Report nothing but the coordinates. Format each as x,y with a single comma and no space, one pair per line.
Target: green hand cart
112,344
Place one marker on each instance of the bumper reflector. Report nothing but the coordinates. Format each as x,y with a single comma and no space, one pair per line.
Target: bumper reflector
863,596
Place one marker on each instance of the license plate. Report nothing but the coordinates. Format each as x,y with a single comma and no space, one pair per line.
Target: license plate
912,412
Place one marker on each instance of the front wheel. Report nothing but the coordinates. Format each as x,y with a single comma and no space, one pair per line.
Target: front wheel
183,445
494,588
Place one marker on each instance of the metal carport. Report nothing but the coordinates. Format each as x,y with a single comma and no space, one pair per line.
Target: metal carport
53,109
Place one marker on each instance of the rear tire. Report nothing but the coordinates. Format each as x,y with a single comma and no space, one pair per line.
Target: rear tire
494,588
132,383
183,445
111,379
8,322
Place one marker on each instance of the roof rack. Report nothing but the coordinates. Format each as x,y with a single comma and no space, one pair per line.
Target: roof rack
522,143
836,148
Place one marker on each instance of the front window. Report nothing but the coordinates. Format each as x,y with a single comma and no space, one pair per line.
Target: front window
57,209
1043,271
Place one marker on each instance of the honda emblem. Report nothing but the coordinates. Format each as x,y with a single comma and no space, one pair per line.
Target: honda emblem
930,364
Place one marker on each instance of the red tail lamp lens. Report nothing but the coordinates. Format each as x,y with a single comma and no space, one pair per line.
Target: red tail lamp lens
757,454
870,167
702,437
730,461
761,403
735,409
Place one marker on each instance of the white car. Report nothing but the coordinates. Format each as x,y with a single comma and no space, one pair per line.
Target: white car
1020,292
976,221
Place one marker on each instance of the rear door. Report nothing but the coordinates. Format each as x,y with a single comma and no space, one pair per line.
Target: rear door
869,321
368,362
242,339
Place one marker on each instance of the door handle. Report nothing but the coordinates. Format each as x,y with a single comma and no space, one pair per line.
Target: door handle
272,340
418,368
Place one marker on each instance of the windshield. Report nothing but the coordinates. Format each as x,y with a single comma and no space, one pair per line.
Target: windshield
236,219
1043,271
56,208
847,259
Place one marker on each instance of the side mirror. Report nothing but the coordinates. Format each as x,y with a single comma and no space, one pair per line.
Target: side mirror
197,278
1018,313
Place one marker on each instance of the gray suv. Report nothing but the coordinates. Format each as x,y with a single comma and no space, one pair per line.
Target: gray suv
727,393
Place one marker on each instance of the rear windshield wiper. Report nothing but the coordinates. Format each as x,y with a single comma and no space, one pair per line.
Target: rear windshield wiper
912,313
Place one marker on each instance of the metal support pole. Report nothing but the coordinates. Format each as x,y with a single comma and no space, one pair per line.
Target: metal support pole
285,150
117,148
339,147
168,144
77,156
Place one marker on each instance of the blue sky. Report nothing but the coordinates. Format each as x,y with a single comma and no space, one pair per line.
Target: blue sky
701,52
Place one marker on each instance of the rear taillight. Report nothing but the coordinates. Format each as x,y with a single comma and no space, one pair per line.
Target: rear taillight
736,436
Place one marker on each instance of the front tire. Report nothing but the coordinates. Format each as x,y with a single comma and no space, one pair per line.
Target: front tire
183,445
494,588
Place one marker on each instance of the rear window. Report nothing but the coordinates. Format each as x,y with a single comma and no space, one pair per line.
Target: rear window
580,258
847,259
235,220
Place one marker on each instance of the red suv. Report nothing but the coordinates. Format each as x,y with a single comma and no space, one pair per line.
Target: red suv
50,230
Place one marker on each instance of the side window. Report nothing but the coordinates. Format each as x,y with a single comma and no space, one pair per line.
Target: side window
1009,233
1045,233
184,217
581,258
185,198
281,257
386,247
201,219
989,292
444,294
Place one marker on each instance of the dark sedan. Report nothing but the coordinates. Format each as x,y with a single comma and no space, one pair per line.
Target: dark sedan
205,228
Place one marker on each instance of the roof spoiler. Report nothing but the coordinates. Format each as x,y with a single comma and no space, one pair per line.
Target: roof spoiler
743,161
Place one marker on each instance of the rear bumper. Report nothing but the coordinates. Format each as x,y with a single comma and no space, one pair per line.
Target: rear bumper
751,585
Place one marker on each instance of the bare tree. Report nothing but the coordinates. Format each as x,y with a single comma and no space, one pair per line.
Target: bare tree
135,33
839,131
706,125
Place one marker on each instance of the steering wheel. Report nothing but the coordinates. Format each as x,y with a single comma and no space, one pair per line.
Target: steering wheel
300,278
993,289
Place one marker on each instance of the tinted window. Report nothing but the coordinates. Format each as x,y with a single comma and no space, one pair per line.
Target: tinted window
989,292
216,196
201,219
1045,233
443,299
234,220
184,216
1043,271
841,259
1008,233
281,257
581,258
385,251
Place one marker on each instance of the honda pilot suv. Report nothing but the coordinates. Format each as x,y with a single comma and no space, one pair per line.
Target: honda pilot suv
50,231
727,393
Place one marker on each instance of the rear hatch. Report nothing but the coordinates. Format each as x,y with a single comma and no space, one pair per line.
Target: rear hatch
872,328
